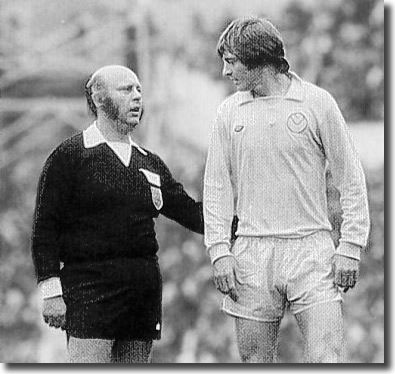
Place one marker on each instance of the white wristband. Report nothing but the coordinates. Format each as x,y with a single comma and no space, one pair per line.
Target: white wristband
50,288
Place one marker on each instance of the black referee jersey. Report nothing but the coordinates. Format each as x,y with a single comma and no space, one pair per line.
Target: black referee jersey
95,215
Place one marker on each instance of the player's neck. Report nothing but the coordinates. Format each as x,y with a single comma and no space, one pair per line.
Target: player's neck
109,130
271,84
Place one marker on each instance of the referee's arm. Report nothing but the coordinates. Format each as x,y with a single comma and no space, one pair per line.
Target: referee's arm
50,207
178,205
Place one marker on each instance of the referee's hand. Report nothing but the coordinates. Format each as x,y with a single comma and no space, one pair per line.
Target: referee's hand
346,271
54,312
224,276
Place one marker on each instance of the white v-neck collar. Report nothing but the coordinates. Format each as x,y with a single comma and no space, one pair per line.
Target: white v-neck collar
93,137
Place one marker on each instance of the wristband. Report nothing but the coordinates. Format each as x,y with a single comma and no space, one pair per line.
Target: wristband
50,288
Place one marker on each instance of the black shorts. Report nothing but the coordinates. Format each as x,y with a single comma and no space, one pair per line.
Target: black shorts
114,299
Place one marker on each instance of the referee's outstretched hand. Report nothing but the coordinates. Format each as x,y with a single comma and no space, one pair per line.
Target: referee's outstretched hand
224,276
54,312
346,271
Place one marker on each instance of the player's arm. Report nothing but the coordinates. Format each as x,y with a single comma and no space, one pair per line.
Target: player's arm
349,179
47,222
218,204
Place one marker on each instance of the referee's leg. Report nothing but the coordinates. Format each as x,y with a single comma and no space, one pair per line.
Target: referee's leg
89,351
322,327
132,352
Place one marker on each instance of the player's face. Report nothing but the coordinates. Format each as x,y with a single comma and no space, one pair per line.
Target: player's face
123,103
243,78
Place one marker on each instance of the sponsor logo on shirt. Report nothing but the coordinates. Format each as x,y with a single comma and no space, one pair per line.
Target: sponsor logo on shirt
296,122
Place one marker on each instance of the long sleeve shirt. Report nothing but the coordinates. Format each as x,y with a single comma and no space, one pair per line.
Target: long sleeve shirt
267,163
96,202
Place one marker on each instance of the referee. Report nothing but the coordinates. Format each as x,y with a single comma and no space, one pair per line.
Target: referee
97,197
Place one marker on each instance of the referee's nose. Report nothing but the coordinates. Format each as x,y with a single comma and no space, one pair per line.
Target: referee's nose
136,96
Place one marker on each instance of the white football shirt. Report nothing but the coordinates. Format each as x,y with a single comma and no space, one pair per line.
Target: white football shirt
267,161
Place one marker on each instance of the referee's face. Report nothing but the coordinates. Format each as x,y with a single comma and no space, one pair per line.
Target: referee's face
243,78
123,103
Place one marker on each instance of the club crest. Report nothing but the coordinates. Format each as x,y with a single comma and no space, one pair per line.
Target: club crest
157,199
296,122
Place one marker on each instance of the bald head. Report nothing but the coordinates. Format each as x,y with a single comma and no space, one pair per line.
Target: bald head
114,97
104,80
107,74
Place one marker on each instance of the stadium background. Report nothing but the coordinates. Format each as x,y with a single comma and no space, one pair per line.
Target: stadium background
49,47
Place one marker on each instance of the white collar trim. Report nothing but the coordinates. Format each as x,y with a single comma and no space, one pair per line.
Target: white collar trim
92,137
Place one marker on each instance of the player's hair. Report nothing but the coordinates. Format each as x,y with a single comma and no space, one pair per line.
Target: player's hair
255,42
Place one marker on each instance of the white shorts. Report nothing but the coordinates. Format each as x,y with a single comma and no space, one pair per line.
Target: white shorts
271,272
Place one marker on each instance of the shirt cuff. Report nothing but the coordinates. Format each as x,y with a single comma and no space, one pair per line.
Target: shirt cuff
217,251
349,250
50,287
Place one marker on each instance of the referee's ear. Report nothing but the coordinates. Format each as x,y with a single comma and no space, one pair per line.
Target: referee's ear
98,90
88,95
97,98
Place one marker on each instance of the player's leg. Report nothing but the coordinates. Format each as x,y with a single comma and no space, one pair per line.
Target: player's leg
89,351
257,341
260,304
323,332
132,352
314,299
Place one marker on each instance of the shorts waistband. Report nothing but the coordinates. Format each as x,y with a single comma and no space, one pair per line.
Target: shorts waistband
317,234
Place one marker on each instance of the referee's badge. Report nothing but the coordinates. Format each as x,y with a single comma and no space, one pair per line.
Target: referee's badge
156,193
157,197
296,122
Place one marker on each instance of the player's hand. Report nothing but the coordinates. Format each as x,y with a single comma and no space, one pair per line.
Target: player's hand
224,276
346,271
54,312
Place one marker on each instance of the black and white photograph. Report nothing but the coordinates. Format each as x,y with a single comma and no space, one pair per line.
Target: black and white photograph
192,182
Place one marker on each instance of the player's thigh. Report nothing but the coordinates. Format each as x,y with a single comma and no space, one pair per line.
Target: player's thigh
257,340
89,351
132,351
322,326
